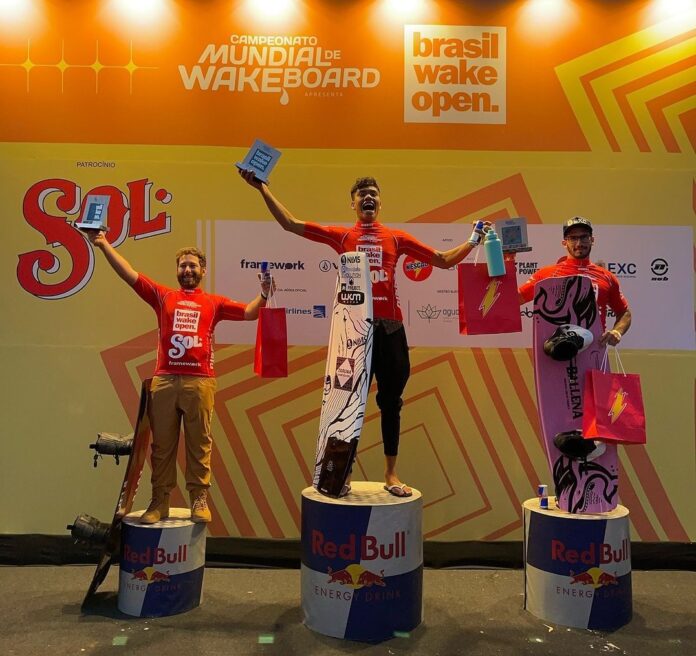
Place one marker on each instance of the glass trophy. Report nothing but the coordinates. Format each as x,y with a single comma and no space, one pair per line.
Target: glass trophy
94,213
260,159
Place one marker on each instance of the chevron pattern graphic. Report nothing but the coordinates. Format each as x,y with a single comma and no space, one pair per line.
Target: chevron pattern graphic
470,435
638,94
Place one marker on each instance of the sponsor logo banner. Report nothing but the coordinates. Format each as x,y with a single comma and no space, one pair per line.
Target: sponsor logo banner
428,297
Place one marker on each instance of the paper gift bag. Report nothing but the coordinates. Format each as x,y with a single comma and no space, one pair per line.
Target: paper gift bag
488,306
613,407
271,354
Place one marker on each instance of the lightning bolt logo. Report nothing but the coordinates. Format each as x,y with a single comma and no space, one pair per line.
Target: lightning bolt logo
618,405
490,296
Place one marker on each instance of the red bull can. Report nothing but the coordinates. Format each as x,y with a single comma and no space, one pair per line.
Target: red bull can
161,565
362,563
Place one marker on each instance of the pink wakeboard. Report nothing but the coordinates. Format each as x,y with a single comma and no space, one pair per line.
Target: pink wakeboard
580,486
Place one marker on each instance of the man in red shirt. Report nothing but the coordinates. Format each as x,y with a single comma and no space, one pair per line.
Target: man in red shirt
183,387
390,362
578,240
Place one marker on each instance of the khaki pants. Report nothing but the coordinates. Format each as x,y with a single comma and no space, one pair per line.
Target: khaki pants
175,400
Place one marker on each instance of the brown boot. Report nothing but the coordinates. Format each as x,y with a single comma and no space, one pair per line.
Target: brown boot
158,508
199,506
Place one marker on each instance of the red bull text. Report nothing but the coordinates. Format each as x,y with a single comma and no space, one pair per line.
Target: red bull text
595,554
364,547
154,556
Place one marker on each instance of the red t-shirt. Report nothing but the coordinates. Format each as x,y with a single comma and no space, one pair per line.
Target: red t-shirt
186,320
605,284
383,246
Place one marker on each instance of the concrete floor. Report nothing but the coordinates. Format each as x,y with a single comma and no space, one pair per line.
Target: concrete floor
256,611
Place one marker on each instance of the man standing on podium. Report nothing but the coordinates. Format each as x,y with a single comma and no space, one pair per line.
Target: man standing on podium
578,241
183,387
390,362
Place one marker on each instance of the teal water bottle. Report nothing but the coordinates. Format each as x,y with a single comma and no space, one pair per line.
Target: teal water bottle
494,254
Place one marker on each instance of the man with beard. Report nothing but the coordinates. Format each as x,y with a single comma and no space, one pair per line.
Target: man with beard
183,387
390,362
578,240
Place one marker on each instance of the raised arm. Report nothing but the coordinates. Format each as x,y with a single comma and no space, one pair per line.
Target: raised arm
280,213
452,257
118,263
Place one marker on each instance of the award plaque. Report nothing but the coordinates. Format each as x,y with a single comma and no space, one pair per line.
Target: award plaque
94,214
260,159
513,234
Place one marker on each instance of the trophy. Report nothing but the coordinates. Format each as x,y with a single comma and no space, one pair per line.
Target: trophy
260,159
513,234
94,214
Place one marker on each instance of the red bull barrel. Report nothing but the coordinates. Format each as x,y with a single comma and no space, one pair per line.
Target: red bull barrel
577,567
362,563
161,565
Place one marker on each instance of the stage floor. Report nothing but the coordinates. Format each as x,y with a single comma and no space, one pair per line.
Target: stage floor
257,611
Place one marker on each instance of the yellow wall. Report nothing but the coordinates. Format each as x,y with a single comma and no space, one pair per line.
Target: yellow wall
599,122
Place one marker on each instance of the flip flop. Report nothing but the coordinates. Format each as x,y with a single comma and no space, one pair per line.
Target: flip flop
398,490
345,490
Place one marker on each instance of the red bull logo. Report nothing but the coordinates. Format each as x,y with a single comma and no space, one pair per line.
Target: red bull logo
596,553
356,576
150,575
595,577
365,547
157,556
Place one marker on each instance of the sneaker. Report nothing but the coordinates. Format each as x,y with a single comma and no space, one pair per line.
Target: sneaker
573,445
158,509
199,507
567,342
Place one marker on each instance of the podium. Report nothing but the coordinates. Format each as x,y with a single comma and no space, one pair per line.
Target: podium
161,565
577,567
362,563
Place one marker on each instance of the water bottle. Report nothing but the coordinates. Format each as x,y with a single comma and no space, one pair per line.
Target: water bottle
494,254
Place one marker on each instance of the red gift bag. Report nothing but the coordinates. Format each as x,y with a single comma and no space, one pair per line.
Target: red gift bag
271,354
488,306
613,406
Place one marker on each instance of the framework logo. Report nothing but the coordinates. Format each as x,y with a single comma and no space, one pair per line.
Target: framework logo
454,74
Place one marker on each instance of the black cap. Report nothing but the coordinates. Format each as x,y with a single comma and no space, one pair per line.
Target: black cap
576,221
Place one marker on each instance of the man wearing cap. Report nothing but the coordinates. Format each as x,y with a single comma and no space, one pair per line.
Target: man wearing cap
578,241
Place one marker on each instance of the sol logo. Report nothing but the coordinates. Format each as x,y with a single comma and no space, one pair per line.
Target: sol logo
129,216
181,344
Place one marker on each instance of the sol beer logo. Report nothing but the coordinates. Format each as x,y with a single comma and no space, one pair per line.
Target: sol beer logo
129,216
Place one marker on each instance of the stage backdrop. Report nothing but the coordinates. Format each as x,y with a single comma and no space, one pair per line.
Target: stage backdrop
461,112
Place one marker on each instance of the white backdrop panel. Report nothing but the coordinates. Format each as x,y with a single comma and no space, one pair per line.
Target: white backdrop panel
653,263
